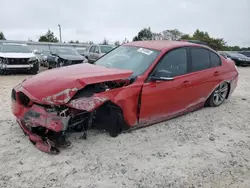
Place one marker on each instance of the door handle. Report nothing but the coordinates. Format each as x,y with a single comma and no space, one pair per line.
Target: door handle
216,73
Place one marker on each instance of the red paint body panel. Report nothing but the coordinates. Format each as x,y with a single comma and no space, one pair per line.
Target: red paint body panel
49,120
59,85
126,98
164,100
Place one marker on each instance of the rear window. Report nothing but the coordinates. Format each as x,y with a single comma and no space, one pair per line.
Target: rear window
200,59
215,60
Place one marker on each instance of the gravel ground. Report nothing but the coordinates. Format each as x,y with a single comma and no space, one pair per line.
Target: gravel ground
207,148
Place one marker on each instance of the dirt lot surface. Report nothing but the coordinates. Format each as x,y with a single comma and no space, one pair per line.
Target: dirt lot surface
207,148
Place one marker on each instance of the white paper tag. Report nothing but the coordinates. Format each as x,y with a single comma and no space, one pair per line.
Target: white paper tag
145,51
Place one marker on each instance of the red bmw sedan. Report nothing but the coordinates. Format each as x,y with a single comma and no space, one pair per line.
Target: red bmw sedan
136,84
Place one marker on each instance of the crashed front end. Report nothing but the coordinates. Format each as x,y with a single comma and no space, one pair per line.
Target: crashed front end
48,122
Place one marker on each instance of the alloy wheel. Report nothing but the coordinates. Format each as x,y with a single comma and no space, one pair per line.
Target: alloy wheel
220,93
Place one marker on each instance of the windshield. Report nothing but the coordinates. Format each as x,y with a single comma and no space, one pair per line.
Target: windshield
15,49
129,58
106,49
69,51
81,51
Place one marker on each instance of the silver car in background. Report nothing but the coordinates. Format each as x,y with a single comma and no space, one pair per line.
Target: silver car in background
97,51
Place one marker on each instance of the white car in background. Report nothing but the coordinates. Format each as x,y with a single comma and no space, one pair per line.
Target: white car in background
17,57
86,51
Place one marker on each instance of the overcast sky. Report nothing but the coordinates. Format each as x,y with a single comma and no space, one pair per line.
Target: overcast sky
92,20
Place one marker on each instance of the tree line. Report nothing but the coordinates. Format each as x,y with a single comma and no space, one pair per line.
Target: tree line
175,34
147,34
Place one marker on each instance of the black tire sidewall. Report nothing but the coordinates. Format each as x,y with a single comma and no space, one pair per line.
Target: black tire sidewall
211,98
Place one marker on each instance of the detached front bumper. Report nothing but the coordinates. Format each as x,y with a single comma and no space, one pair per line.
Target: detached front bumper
43,127
40,143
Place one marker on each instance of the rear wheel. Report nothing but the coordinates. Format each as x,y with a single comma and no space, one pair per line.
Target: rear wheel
219,95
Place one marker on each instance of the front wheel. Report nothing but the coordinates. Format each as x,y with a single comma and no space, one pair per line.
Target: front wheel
35,68
219,95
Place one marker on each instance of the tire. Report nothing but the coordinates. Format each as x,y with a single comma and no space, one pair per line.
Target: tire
115,125
2,72
49,67
35,69
237,63
219,95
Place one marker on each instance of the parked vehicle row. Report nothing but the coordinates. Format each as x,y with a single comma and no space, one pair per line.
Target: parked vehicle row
68,56
15,56
246,53
64,57
238,58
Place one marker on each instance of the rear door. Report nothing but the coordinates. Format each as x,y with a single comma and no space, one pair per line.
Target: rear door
206,73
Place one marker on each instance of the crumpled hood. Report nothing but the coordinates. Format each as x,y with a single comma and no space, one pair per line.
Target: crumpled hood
17,55
57,86
71,57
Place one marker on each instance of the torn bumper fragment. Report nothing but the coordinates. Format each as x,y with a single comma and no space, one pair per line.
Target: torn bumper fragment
44,129
42,144
47,125
48,117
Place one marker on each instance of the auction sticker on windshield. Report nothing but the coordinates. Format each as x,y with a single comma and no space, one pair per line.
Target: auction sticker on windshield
145,51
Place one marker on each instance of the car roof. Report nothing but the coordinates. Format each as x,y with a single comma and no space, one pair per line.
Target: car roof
18,44
161,44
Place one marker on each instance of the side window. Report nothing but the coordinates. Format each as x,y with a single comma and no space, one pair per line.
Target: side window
175,62
200,59
96,49
215,60
92,49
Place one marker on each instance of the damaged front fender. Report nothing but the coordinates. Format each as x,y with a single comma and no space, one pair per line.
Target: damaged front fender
87,104
62,97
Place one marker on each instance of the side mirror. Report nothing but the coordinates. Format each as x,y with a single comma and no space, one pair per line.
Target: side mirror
162,75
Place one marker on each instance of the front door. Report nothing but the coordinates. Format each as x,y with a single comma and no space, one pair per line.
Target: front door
161,100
